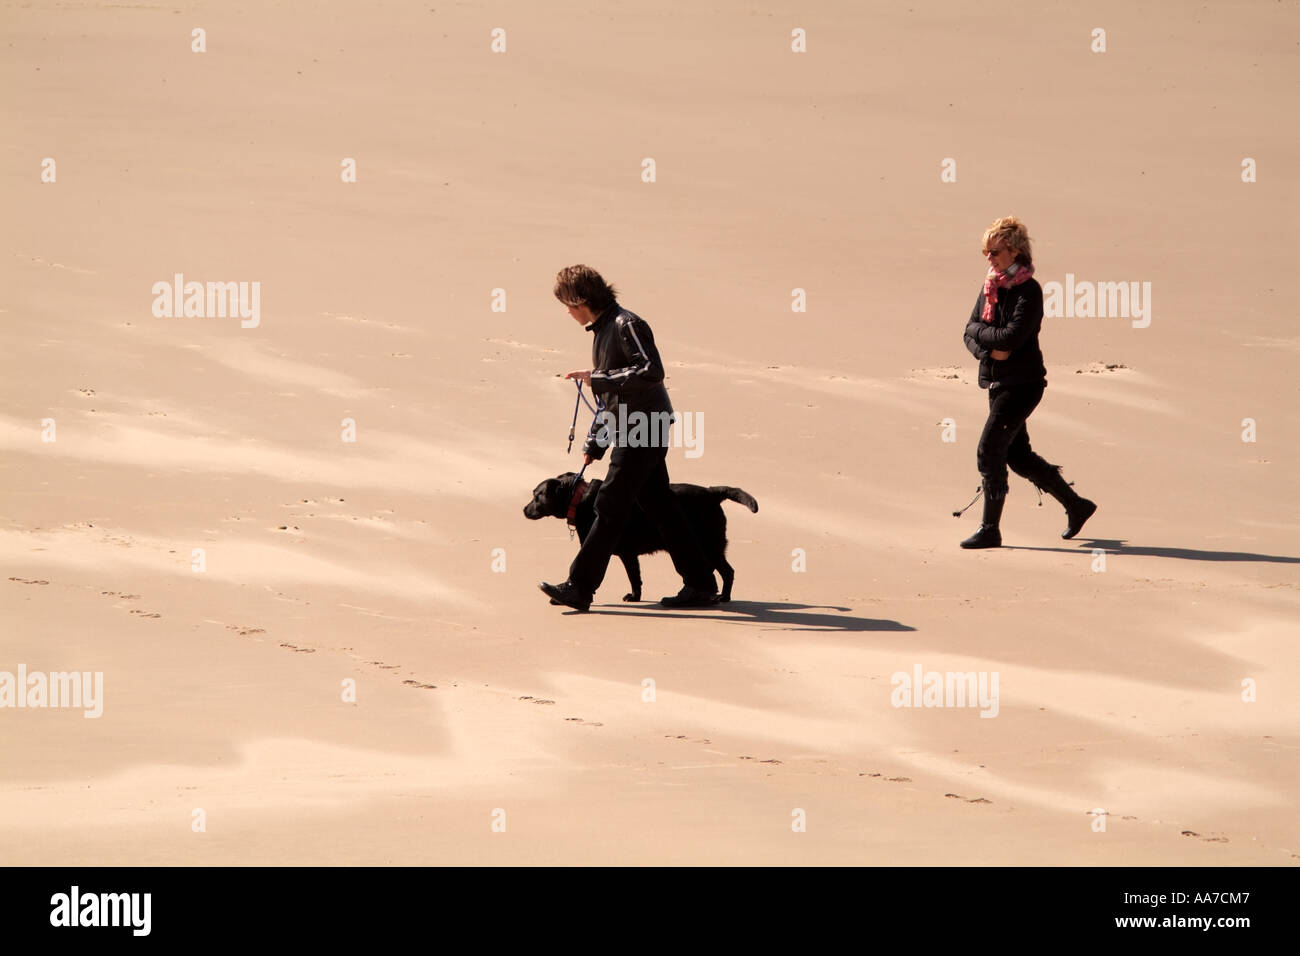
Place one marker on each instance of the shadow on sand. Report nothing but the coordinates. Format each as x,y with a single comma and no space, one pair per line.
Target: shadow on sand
781,615
1118,546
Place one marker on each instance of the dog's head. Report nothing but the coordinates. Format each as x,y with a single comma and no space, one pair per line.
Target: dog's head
551,498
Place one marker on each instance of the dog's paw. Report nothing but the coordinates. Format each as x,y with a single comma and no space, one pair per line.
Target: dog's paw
553,601
632,596
724,598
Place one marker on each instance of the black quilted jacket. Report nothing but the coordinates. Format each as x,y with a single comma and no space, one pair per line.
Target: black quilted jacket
1017,318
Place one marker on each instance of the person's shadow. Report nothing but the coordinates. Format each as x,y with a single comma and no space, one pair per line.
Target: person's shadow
1119,546
780,615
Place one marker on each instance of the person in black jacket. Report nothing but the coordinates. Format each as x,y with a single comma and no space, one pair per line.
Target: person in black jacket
628,376
1002,333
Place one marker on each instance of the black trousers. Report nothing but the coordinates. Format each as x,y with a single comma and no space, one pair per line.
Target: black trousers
639,476
1005,439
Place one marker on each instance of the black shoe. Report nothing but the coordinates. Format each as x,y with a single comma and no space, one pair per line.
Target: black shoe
1075,516
690,597
566,593
988,535
984,537
1077,509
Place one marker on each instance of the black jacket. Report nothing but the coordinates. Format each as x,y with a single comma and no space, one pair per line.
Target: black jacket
626,368
1017,318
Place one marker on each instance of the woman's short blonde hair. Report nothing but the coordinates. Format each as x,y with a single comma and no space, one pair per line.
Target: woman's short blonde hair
1011,232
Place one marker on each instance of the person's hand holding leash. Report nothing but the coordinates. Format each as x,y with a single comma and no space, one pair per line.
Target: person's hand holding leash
584,376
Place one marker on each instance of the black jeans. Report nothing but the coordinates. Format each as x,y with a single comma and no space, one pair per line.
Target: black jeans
639,476
1005,439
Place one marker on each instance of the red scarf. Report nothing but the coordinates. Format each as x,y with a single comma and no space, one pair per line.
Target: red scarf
1001,280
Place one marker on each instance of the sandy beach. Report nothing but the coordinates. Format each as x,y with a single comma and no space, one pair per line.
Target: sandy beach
290,540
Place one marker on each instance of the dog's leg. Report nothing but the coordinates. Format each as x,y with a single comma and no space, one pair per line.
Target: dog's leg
633,566
728,574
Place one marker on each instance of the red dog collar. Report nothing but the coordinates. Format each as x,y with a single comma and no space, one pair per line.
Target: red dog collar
575,500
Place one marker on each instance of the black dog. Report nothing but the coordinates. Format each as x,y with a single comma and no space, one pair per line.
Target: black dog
702,507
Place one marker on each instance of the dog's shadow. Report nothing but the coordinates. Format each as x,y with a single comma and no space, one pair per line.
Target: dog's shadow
786,616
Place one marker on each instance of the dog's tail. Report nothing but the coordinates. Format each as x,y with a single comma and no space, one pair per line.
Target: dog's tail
735,494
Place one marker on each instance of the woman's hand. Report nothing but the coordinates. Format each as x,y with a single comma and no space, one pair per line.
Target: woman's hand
584,376
587,459
999,354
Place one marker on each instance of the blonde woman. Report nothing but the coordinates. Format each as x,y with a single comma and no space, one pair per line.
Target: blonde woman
1003,334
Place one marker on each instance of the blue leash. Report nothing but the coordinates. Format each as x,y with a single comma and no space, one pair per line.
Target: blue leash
595,411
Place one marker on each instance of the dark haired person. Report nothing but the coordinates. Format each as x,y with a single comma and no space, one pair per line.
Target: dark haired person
1002,333
626,371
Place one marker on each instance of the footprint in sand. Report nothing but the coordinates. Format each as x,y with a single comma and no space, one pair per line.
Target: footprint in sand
244,630
26,581
943,373
297,649
136,610
416,683
1096,368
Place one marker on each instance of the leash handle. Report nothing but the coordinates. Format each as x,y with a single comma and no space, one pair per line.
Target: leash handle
599,407
575,419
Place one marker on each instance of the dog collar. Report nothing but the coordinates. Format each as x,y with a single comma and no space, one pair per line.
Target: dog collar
574,500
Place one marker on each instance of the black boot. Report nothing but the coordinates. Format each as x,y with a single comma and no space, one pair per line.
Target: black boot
1077,508
988,535
566,593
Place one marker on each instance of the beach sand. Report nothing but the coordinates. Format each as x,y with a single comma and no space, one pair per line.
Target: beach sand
364,672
